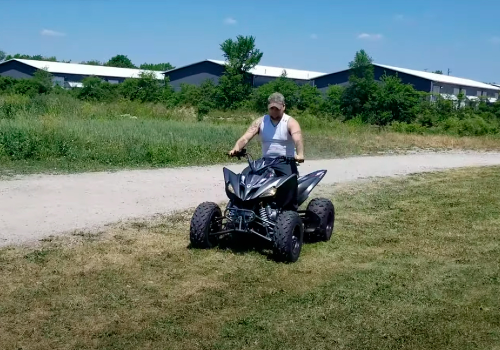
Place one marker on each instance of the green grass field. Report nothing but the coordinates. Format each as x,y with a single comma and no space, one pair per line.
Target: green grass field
414,263
56,144
59,134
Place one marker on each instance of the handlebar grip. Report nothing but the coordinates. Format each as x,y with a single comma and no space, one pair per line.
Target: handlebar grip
241,153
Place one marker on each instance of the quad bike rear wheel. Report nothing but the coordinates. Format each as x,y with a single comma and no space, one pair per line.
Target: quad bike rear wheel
322,212
288,237
206,219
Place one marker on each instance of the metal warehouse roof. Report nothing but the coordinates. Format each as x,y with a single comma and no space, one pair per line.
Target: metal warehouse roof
266,71
441,78
275,72
86,69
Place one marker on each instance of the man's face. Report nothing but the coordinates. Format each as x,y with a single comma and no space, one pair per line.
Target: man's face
276,112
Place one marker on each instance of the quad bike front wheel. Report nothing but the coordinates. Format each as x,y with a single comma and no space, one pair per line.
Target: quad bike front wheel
322,214
288,237
205,220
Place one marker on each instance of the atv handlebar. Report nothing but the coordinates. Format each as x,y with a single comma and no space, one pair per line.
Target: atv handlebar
243,153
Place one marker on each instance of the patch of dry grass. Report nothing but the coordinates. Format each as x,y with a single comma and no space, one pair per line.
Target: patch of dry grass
365,140
413,264
439,142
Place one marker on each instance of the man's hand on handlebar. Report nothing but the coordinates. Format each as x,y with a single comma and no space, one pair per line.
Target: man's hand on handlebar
242,153
237,153
299,159
232,152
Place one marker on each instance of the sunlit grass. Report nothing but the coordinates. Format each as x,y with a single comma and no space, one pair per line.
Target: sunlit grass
413,264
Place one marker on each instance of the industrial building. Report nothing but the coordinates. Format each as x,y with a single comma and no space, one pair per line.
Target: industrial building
72,74
447,86
197,73
69,74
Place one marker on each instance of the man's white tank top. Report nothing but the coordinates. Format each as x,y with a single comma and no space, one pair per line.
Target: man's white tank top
276,140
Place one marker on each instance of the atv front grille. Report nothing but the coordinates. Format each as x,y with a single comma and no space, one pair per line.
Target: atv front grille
242,218
235,214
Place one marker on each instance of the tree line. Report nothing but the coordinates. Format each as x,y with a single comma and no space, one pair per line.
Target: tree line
119,61
383,103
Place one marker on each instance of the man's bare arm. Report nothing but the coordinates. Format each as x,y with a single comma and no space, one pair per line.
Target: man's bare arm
252,130
296,132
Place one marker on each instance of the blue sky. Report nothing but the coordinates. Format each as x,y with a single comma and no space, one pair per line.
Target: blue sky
316,35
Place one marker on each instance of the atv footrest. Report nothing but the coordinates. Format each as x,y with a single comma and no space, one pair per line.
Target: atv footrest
236,230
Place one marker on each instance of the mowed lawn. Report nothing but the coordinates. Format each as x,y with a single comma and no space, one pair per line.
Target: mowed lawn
414,263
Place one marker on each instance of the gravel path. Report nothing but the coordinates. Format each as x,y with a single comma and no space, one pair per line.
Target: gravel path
35,207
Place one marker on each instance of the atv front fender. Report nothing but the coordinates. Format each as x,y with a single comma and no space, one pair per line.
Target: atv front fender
307,183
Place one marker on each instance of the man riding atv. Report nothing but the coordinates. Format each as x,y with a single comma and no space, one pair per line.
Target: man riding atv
280,135
262,204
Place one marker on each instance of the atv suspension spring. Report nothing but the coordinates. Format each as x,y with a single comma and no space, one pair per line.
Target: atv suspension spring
264,217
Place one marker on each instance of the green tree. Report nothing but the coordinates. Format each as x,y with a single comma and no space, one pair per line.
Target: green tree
92,63
26,87
495,109
235,84
146,88
92,89
34,57
44,80
167,93
309,99
241,54
41,83
149,87
2,55
333,101
358,96
120,61
188,95
283,85
207,93
233,91
361,66
129,88
395,101
7,84
438,71
156,66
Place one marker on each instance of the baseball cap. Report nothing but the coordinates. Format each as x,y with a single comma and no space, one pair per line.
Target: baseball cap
276,100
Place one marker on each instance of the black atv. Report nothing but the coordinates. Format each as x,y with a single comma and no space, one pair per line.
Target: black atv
259,204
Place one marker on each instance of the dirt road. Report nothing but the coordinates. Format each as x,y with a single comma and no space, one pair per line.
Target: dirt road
35,207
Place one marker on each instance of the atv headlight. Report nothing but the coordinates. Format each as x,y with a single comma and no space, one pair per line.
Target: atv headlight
269,193
230,188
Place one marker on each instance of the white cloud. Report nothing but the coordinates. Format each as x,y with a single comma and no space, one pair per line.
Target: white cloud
49,32
495,40
314,36
366,36
230,20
